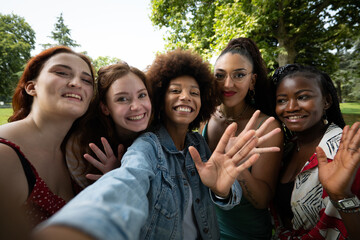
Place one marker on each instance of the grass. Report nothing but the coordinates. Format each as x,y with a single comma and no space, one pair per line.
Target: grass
5,113
351,113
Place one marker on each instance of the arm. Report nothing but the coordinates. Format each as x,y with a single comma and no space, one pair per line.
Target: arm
338,176
258,186
114,207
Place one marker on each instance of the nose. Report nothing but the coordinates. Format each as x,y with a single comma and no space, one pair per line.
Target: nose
228,82
292,106
184,96
135,105
75,82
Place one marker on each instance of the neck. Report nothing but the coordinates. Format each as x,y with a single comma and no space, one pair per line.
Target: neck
312,135
178,135
233,114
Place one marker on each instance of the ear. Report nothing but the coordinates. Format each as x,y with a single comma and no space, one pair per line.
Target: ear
104,109
30,88
253,81
327,102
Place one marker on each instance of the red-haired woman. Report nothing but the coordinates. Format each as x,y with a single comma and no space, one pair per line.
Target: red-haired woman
54,91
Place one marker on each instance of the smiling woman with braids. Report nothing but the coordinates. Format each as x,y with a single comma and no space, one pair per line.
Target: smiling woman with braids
319,188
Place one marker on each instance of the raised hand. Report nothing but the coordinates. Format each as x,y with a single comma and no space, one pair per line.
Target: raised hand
223,167
258,133
107,161
338,175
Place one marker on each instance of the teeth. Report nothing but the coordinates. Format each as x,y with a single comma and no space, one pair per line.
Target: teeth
183,109
72,95
295,117
138,117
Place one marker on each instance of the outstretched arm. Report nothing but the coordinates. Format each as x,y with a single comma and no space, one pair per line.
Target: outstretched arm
338,175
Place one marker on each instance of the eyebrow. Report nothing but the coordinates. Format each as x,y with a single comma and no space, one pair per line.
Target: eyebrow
238,69
298,92
68,67
122,93
179,85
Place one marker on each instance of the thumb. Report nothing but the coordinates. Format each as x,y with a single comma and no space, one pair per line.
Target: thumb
196,157
321,156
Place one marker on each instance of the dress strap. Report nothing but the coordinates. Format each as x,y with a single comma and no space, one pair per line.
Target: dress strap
30,176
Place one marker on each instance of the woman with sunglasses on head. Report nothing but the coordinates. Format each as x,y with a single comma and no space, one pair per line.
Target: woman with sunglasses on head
168,181
53,92
120,112
319,185
242,81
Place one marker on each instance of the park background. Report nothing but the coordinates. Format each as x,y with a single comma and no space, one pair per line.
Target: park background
324,34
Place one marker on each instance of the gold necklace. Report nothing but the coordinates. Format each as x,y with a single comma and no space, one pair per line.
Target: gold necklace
229,120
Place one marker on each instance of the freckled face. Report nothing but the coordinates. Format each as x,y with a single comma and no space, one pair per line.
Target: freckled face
233,93
300,103
182,101
128,104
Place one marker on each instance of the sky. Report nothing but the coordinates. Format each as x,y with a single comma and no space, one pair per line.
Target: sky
114,28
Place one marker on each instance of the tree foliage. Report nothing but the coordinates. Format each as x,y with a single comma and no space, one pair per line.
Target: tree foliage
61,35
17,39
285,31
102,61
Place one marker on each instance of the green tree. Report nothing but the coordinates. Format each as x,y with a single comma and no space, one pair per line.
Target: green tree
17,39
104,61
285,31
61,35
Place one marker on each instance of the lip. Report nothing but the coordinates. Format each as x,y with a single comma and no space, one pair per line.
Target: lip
73,96
228,93
294,118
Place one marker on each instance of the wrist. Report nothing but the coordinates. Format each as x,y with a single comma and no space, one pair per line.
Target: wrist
347,205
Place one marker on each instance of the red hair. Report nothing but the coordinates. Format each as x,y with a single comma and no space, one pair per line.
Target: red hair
22,101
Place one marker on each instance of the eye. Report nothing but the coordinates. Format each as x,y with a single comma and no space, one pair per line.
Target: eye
142,95
238,75
280,101
122,99
87,81
61,73
195,93
174,90
220,76
303,97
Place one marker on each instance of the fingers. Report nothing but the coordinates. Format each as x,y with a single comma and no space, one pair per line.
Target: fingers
107,147
244,152
248,163
229,132
94,162
252,121
100,154
93,177
352,137
265,150
241,142
196,157
260,131
267,136
321,156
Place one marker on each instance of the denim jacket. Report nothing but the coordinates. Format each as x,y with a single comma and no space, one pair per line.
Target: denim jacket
146,198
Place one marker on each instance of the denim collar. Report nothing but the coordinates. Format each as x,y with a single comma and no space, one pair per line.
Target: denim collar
167,142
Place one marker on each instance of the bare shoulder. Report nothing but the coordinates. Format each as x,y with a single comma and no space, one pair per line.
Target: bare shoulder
12,172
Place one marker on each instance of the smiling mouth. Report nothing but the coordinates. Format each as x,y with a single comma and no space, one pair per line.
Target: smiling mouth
294,117
228,94
137,117
72,95
183,109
